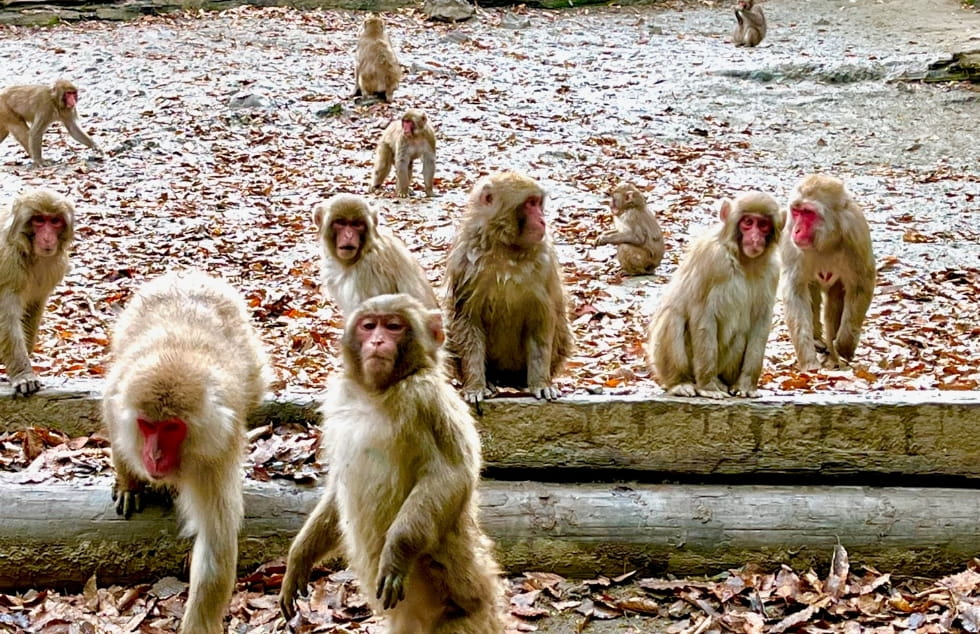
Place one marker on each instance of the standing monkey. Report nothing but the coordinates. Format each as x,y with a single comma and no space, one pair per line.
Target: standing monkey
638,238
400,497
27,111
36,230
361,259
709,337
187,368
827,259
751,27
402,142
377,71
505,296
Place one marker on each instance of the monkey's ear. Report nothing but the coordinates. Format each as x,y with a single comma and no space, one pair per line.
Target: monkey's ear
724,209
319,213
486,196
434,324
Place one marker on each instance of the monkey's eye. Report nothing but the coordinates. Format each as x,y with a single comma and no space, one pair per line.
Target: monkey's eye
357,224
395,326
369,324
37,220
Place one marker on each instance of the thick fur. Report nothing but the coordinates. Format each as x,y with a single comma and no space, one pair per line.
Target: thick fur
400,498
709,335
637,236
26,112
26,280
506,303
400,149
383,265
184,347
837,274
377,70
750,28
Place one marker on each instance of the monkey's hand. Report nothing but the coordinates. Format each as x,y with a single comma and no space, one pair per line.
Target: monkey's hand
809,364
745,389
41,163
291,588
713,389
547,391
128,498
683,389
25,384
391,586
474,394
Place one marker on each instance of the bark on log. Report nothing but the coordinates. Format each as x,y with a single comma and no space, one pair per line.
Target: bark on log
884,433
58,535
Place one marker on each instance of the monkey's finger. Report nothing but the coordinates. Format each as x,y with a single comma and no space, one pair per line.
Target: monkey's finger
26,387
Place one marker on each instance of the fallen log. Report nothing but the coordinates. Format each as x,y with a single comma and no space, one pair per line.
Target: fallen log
58,535
884,433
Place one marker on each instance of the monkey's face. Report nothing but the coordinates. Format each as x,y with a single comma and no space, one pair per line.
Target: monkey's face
530,221
754,232
807,219
162,441
46,232
347,237
380,338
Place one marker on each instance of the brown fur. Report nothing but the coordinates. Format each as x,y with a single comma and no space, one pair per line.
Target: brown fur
709,335
27,111
27,279
400,498
638,238
184,347
377,71
842,249
383,265
751,24
398,147
506,302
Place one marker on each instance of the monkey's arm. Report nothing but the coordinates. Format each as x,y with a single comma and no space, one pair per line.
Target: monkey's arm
704,336
856,304
539,354
738,16
38,126
621,237
467,340
13,345
755,348
798,309
71,124
319,536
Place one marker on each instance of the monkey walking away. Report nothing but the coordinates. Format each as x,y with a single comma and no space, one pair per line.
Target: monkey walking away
38,228
637,236
751,24
829,271
709,335
508,324
400,497
187,367
377,71
403,141
361,259
27,111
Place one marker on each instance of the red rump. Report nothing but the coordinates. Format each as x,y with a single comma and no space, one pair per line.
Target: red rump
161,445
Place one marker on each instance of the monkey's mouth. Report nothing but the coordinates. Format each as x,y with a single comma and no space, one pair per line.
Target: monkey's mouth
347,251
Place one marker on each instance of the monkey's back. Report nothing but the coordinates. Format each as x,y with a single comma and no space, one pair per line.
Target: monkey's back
378,69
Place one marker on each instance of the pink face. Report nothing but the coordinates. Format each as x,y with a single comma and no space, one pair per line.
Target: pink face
755,231
348,237
408,127
806,220
162,440
379,337
47,231
71,98
531,221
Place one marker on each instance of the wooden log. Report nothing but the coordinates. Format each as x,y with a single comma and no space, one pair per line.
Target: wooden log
58,535
897,432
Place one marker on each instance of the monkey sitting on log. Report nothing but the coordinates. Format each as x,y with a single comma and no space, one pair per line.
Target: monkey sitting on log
402,142
37,232
26,111
709,336
187,367
400,498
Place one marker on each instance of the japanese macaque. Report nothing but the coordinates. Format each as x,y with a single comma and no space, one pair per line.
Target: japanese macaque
402,142
37,232
505,297
187,367
377,71
751,27
400,497
361,259
27,111
827,260
638,239
710,333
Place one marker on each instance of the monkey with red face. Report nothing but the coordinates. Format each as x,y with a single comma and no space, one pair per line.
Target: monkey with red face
187,367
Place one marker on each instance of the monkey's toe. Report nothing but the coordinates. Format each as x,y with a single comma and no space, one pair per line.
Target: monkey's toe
26,387
684,389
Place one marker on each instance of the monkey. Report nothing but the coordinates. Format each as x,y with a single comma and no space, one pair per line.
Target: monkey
36,233
751,27
377,71
709,335
505,297
827,262
638,238
187,367
396,432
361,259
26,111
403,141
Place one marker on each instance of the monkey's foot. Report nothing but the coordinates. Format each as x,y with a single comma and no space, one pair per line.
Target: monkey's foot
546,392
684,389
744,392
712,393
25,385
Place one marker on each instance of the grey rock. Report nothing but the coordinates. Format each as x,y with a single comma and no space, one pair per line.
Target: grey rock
448,10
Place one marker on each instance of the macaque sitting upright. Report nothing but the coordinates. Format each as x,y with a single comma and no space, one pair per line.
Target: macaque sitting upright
638,238
187,367
751,24
27,111
709,336
376,71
